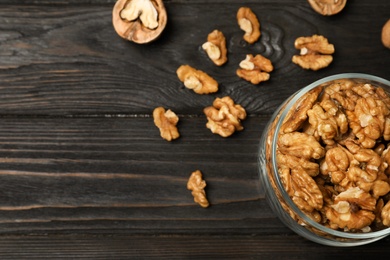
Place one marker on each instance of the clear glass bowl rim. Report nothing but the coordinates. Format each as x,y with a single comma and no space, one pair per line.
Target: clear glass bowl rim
286,197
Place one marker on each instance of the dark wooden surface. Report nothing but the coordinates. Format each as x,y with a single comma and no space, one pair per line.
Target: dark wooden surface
83,170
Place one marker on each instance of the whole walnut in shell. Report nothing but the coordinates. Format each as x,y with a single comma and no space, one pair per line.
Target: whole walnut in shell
386,34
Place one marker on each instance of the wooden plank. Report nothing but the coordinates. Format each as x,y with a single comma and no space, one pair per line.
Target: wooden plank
69,60
178,247
56,173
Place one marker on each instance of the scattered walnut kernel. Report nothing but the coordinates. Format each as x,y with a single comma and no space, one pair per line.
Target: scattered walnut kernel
249,23
386,34
255,69
196,80
166,121
215,47
327,7
315,52
139,21
196,184
224,117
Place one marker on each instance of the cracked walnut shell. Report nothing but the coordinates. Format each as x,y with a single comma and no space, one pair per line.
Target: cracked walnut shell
249,23
139,21
196,184
224,117
197,80
255,69
215,47
327,7
166,121
315,52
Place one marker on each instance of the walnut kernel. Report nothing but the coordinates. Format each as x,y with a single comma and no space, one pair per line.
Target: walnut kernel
224,117
249,23
166,121
197,80
327,7
215,47
196,184
139,21
315,52
255,69
340,130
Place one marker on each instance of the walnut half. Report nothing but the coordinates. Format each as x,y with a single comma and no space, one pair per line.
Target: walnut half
197,80
215,47
249,23
139,21
255,69
315,52
224,117
196,184
166,121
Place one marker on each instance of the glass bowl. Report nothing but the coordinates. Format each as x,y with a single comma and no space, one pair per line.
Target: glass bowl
321,230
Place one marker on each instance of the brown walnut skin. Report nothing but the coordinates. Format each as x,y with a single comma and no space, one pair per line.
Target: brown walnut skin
386,34
134,30
327,7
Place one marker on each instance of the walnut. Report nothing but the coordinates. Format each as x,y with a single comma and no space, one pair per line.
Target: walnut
224,117
307,196
327,7
385,156
300,186
296,163
352,221
336,163
341,92
249,23
325,125
380,188
385,36
300,145
315,52
139,21
197,80
216,47
298,113
365,169
255,69
196,184
385,214
166,121
352,209
368,120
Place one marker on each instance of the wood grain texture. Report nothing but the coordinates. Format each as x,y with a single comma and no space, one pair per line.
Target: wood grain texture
68,59
177,247
83,170
98,170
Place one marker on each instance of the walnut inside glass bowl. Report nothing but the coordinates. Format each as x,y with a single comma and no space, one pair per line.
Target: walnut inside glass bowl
325,160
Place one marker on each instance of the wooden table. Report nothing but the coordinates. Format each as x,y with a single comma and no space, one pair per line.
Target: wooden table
84,171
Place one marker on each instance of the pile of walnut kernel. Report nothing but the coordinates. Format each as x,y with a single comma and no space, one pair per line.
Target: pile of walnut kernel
333,156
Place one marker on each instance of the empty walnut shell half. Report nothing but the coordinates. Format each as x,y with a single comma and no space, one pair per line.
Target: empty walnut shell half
139,21
327,7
